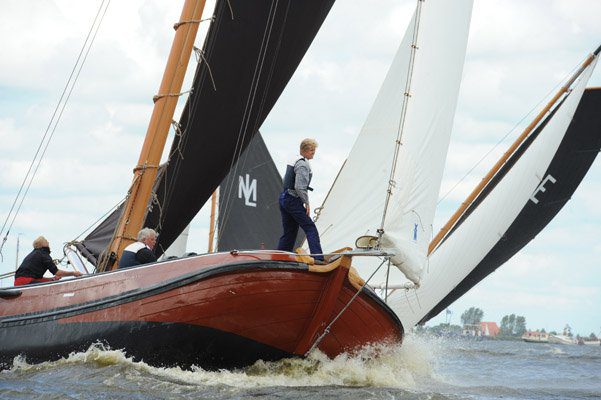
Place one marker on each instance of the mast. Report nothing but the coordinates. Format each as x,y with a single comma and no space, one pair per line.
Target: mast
488,177
145,171
212,222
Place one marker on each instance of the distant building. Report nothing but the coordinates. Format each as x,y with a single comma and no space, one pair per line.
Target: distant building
471,330
490,329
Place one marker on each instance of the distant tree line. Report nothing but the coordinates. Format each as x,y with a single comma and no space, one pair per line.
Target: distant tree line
513,325
472,316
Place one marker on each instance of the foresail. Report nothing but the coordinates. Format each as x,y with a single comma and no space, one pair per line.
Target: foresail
416,103
524,196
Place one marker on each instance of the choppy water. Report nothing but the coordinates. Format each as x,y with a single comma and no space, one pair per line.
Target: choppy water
423,368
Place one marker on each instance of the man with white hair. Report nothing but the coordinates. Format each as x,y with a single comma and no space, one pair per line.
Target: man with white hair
140,252
36,263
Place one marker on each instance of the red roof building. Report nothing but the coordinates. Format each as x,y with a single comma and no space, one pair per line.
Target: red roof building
489,329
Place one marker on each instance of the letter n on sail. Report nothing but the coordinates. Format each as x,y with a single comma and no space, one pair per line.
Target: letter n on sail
248,189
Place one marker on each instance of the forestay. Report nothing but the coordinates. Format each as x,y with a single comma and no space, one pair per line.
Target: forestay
427,67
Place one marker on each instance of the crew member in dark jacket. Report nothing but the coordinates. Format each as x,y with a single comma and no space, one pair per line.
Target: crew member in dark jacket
140,252
294,202
36,263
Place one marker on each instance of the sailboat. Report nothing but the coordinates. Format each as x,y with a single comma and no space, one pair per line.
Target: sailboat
220,310
229,309
521,194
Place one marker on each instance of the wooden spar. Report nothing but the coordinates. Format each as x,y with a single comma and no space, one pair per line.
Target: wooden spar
145,172
455,217
212,222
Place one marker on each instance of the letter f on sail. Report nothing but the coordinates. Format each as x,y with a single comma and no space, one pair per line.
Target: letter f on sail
541,188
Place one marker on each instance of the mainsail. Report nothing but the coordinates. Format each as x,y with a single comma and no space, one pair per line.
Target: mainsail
524,196
250,53
395,166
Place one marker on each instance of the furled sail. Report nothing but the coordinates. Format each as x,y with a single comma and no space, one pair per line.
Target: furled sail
514,207
402,147
250,53
249,215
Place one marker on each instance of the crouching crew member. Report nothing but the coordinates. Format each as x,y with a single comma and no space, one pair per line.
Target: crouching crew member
294,202
140,252
36,263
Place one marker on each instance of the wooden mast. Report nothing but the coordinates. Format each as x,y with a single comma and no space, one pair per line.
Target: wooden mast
145,171
455,217
212,221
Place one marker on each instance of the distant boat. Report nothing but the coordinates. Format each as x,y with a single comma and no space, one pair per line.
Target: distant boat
535,337
561,339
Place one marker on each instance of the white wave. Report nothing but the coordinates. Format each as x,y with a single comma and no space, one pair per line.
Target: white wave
392,366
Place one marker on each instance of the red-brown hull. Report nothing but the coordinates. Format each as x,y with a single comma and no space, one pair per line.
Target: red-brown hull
246,306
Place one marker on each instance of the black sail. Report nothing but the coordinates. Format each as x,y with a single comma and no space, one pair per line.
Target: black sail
249,216
573,158
251,51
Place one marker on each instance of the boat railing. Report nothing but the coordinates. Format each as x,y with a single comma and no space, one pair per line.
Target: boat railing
6,279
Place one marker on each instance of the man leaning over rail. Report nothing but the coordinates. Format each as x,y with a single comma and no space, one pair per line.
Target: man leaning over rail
36,263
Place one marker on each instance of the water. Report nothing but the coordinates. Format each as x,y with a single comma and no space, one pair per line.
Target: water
422,368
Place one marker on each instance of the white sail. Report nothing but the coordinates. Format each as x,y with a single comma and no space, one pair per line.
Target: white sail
428,67
179,246
467,246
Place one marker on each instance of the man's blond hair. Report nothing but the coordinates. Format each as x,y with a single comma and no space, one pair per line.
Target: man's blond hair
308,144
40,242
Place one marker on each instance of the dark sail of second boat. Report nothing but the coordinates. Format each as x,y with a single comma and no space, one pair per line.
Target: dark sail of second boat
250,53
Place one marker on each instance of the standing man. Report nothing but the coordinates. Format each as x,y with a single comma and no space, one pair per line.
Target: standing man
140,252
294,202
36,263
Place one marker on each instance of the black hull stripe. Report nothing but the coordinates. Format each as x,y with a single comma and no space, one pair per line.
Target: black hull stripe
157,344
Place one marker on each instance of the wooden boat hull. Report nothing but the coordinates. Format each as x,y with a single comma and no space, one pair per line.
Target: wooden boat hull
214,311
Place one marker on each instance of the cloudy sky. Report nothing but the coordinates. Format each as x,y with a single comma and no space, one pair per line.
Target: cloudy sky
518,52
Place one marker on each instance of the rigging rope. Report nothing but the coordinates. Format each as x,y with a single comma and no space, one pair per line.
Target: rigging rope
250,104
54,120
98,220
180,140
327,328
542,100
407,94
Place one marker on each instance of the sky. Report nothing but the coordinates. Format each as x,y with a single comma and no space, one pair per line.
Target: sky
518,52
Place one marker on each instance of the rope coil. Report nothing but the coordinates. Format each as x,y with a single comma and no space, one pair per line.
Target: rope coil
191,21
158,97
